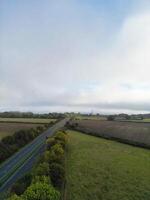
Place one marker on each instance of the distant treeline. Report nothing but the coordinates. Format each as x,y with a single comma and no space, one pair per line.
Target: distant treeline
31,115
55,115
128,117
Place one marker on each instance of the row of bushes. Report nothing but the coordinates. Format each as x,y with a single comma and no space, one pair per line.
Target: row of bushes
11,144
47,177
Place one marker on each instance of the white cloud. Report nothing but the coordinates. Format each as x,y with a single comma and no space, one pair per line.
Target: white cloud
75,62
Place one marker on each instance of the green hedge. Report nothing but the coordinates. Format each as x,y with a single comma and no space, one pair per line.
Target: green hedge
47,176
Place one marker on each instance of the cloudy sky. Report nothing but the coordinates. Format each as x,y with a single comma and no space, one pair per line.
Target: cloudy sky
75,55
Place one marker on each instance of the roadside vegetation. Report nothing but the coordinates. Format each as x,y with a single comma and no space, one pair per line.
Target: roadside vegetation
7,128
12,143
102,169
47,178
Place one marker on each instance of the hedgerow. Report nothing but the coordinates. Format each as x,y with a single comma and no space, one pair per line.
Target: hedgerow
10,144
48,175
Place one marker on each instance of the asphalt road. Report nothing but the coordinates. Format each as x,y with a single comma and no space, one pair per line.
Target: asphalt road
22,161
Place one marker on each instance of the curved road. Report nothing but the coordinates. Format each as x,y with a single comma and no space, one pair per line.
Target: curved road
22,161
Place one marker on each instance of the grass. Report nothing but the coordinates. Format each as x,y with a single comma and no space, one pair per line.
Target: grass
101,169
140,121
4,134
10,128
27,120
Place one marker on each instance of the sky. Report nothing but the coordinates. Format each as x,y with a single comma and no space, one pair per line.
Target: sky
75,55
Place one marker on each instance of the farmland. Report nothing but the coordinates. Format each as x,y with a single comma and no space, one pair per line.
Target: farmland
102,169
27,120
81,117
128,132
10,128
10,125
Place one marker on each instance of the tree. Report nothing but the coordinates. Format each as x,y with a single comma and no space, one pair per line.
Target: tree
21,185
57,174
15,197
41,191
50,142
42,169
110,118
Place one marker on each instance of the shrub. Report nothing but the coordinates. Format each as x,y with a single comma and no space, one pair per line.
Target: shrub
42,169
46,156
8,140
56,154
50,142
57,174
61,136
21,185
41,191
43,179
15,197
58,150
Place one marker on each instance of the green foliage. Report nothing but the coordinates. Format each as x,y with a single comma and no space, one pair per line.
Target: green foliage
46,156
21,185
50,142
56,154
15,197
11,144
43,179
49,170
42,169
41,191
57,149
57,174
9,140
61,137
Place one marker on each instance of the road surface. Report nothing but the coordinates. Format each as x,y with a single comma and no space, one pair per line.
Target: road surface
22,161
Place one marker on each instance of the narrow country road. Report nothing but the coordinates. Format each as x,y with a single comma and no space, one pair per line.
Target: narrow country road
22,161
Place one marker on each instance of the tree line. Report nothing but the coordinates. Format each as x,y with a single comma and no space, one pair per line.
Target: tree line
11,144
31,115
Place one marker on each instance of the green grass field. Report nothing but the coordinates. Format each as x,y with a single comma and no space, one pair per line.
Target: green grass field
27,120
143,120
100,169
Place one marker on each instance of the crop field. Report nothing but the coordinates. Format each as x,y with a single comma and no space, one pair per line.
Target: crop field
128,132
9,128
27,120
102,169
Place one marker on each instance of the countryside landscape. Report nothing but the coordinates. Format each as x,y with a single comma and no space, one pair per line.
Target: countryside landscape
74,100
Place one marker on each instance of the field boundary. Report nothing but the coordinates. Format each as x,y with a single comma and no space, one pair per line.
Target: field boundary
124,141
17,122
